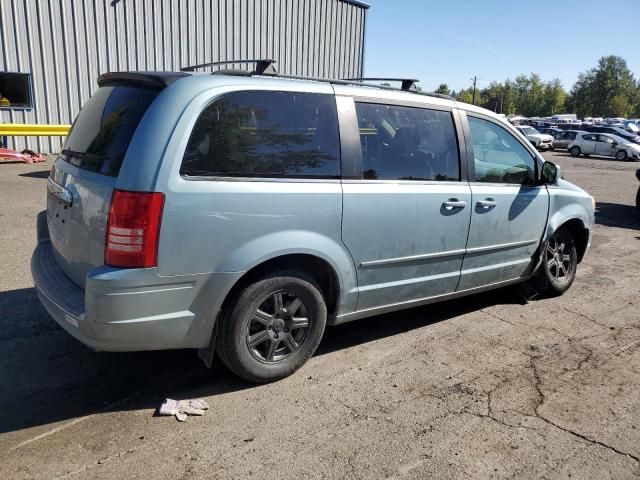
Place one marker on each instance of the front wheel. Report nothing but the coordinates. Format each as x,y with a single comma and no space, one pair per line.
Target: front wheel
621,155
273,327
560,261
575,151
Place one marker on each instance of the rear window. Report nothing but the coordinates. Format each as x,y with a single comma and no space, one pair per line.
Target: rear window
266,134
102,131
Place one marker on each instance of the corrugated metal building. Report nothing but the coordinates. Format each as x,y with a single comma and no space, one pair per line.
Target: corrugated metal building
63,45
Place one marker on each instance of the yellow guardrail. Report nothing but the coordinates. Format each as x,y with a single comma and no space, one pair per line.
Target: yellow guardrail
30,130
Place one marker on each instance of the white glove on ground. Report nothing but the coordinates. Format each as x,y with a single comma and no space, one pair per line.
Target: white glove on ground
182,408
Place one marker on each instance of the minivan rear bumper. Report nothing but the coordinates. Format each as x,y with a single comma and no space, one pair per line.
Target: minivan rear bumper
131,309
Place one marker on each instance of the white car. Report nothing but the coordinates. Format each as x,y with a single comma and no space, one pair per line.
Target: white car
541,141
604,144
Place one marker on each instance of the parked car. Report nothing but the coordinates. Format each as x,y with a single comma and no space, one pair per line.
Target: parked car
553,131
620,132
604,144
539,140
562,140
242,213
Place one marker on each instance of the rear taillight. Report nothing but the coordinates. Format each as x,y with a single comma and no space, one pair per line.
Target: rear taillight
133,228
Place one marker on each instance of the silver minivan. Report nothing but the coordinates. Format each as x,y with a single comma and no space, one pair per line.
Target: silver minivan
242,212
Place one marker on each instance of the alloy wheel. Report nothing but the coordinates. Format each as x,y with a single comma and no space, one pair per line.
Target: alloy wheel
278,327
558,258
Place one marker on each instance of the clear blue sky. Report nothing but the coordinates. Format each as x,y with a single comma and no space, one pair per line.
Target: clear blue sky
450,41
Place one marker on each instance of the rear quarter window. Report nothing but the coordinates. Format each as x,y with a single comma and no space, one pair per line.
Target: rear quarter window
265,134
100,135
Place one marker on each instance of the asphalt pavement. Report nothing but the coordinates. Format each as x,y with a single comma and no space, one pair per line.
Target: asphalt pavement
486,387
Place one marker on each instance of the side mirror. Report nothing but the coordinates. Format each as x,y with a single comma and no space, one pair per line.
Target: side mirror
550,173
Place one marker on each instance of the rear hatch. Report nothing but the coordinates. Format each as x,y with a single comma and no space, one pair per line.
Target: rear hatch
84,174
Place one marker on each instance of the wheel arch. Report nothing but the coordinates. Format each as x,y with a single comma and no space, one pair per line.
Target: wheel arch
315,266
578,230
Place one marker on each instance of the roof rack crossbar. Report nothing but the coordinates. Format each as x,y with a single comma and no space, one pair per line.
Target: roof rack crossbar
347,81
408,84
263,65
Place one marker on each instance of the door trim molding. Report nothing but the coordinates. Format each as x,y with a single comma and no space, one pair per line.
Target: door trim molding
412,258
502,246
448,253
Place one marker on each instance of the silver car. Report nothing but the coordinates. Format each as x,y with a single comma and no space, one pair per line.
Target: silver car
604,144
562,139
243,213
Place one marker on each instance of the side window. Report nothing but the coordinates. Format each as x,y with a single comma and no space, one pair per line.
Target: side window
605,139
407,143
266,134
591,138
498,156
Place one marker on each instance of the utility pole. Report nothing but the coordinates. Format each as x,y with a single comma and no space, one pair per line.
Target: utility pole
501,98
475,79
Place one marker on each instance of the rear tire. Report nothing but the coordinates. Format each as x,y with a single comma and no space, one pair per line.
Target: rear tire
273,327
575,151
560,261
621,155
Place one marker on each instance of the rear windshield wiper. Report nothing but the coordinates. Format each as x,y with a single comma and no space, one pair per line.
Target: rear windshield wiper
81,155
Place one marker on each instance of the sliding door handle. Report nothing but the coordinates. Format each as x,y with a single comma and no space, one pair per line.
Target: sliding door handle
454,203
486,203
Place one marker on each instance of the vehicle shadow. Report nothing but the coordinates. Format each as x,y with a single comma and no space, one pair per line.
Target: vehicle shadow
46,376
37,174
617,215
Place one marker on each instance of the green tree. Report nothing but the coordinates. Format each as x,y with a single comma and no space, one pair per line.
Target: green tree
608,90
554,98
443,89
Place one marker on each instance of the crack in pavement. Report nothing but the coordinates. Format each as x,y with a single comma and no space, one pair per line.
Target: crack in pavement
497,317
540,403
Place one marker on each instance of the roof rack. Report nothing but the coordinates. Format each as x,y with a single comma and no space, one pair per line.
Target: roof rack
263,66
407,84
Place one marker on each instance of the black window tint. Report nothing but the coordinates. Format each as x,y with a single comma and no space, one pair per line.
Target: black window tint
266,134
407,143
498,156
102,131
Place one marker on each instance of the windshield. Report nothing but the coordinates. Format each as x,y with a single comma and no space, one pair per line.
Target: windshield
103,130
618,139
530,131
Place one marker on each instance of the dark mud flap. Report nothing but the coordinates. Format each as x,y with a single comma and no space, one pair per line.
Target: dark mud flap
206,354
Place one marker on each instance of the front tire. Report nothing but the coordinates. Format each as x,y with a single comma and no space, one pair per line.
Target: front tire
621,155
575,151
273,327
560,262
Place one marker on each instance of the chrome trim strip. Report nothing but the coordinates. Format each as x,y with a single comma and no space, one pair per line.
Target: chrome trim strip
412,258
449,253
501,246
398,283
59,191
